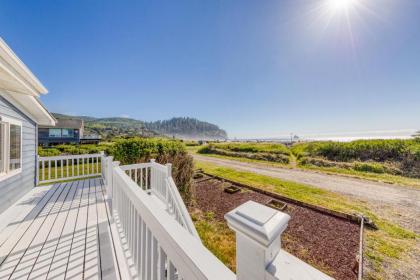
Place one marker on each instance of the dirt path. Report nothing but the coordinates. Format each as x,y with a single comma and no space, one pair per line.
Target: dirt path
399,202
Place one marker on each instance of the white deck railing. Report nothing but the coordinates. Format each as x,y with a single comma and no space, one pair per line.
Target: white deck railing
159,234
59,168
156,179
159,245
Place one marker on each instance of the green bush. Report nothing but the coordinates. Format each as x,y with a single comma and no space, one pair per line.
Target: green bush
48,152
73,149
274,157
369,167
362,150
398,157
137,150
253,148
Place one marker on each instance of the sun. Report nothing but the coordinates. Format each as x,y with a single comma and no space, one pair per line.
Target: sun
339,6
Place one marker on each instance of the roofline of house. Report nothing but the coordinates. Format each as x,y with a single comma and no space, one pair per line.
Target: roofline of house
26,98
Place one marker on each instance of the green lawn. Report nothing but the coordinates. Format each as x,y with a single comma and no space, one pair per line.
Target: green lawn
64,173
383,246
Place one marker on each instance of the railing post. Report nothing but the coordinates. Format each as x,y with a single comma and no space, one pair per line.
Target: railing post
169,167
258,229
152,176
111,180
103,166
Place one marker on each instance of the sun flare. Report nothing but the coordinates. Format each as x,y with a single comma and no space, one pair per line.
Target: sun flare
338,6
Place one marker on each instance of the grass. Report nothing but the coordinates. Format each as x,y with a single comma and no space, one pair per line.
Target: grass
382,247
253,147
60,172
217,237
385,178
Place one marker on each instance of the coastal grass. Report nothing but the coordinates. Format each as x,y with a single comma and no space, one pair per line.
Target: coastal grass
216,236
382,247
376,177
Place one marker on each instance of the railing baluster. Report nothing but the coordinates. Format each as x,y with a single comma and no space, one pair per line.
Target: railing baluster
43,170
143,251
171,270
149,254
93,165
154,259
97,165
139,248
135,241
147,186
162,264
49,170
141,178
55,169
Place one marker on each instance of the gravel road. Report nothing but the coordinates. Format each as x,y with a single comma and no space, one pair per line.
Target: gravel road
400,203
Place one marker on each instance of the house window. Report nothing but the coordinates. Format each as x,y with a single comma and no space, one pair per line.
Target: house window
55,132
67,133
15,147
10,146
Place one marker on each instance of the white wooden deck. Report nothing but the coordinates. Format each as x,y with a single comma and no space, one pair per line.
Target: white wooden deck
61,231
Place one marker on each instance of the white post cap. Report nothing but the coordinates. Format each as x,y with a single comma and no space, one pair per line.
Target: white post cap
259,222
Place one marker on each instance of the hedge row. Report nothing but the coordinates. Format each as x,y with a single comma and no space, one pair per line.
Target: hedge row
360,150
273,157
253,148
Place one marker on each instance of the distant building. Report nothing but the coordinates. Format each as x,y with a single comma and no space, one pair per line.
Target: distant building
66,131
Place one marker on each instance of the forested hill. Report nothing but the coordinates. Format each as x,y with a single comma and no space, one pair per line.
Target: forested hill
185,128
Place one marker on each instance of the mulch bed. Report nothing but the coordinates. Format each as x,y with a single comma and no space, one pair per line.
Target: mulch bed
329,243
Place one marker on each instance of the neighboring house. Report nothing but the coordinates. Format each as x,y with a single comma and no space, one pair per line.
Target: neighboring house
66,131
20,114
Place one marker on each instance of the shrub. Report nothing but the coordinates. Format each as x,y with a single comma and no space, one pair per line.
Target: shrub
274,157
273,148
136,150
362,150
48,152
369,167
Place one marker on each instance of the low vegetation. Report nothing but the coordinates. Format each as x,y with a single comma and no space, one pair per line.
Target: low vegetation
384,248
71,149
396,157
216,236
257,151
135,150
391,161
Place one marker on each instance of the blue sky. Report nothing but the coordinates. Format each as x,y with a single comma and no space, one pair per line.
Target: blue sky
255,68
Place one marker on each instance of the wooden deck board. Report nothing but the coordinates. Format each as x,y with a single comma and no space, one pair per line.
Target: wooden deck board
43,263
77,251
40,240
13,257
65,236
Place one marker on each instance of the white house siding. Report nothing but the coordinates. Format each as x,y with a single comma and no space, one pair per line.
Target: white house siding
12,188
